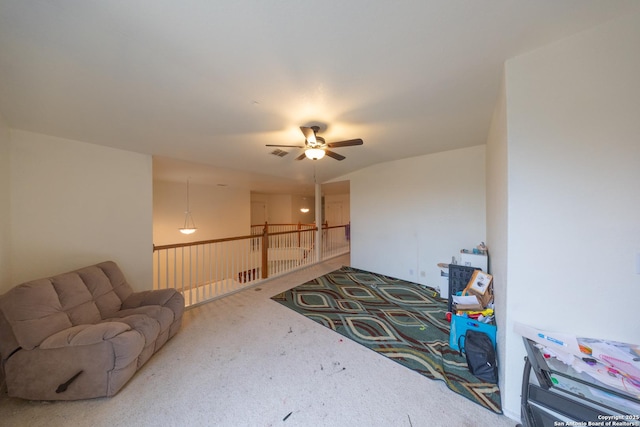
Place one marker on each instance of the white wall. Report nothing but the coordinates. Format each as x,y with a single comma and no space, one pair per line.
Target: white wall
5,211
573,120
218,212
74,204
410,214
497,231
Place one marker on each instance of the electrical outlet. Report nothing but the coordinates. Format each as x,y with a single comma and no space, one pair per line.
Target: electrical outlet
423,274
411,272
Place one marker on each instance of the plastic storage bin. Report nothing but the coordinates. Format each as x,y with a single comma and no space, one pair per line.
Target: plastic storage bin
460,325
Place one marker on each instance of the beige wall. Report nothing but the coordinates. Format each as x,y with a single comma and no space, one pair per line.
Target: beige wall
296,203
279,208
5,212
285,208
74,204
218,212
408,215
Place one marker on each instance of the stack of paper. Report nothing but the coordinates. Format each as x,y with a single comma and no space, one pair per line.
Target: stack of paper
468,302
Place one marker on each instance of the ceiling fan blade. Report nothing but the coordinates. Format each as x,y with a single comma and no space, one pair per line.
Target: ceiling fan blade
290,146
301,156
346,143
334,155
309,134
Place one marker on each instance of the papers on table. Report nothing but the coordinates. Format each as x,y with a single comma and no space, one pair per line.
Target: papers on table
466,302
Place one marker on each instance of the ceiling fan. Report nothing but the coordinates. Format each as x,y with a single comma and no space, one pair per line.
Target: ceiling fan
315,147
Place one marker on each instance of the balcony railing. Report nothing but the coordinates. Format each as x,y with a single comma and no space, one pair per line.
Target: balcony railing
210,269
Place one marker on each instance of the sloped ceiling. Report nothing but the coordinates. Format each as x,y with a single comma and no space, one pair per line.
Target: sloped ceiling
212,82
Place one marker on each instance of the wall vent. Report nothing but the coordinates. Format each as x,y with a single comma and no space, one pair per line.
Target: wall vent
280,153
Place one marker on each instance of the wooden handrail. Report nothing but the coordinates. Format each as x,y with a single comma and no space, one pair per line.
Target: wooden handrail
271,223
227,239
324,227
200,242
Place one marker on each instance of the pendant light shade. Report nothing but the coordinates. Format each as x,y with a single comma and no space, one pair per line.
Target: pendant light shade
304,208
314,153
189,226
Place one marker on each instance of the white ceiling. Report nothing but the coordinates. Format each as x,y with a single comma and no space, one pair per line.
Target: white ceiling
212,82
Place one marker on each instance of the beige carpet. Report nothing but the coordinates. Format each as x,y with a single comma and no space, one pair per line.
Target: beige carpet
248,361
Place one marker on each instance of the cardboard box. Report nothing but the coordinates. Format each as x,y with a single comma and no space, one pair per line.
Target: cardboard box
480,285
484,299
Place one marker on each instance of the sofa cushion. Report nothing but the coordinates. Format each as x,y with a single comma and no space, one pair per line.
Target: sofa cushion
76,299
148,327
120,285
84,335
34,312
162,315
100,288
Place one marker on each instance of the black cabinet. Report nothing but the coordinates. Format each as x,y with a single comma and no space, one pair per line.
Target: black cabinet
554,394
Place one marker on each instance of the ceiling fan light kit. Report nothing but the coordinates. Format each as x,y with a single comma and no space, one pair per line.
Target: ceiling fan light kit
315,147
314,153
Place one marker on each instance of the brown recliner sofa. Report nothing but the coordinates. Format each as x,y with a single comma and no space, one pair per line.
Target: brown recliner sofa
81,334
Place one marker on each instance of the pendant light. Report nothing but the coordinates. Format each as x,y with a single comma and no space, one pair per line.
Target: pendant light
189,226
304,208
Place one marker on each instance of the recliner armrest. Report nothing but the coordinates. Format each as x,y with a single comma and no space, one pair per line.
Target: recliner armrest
169,298
154,297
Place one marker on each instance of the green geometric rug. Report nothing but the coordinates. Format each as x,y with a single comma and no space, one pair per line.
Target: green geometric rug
401,320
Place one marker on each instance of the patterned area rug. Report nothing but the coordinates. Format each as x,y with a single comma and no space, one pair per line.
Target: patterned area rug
400,320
